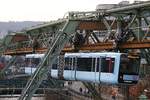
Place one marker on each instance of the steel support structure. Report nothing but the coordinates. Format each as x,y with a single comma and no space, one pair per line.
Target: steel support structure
107,22
122,26
53,51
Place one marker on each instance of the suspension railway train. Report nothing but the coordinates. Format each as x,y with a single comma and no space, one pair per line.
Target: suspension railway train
111,68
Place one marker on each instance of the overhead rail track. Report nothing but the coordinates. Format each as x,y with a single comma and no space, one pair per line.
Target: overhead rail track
98,24
89,47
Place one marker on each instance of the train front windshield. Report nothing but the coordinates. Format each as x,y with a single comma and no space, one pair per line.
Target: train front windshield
129,69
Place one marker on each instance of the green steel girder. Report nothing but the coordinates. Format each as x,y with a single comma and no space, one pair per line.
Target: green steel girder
45,27
130,8
109,30
49,29
7,40
53,51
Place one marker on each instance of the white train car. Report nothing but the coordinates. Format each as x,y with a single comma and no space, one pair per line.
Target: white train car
31,62
111,68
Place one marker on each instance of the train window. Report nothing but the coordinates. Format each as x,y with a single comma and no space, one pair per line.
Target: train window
68,62
129,65
135,63
107,65
36,61
129,69
54,65
28,62
84,64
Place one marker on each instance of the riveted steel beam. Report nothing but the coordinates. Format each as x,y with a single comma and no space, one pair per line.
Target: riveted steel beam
90,47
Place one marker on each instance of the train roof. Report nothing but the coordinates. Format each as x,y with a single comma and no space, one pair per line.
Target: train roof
89,54
34,55
94,54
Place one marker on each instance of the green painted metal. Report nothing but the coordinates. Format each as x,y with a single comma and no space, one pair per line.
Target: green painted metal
53,51
7,40
46,27
135,10
7,44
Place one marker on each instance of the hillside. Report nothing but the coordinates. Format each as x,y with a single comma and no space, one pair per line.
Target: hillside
11,26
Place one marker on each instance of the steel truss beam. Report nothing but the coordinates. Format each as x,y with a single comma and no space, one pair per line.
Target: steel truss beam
89,47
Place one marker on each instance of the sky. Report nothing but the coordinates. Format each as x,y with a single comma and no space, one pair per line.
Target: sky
45,10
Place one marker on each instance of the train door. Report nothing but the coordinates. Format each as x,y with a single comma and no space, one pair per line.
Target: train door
105,69
85,70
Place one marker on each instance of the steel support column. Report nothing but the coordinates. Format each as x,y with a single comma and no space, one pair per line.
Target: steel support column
53,51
